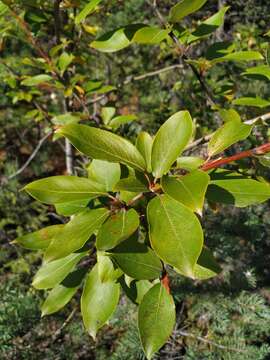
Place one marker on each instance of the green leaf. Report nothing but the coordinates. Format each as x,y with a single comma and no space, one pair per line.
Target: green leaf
36,80
189,163
107,113
72,207
210,25
62,189
137,260
106,269
206,266
87,10
116,40
117,228
65,119
263,70
251,101
105,173
61,294
264,160
189,189
150,35
240,56
98,301
76,233
156,319
116,122
144,144
230,133
184,8
103,145
240,192
175,233
170,141
64,61
53,273
136,290
131,184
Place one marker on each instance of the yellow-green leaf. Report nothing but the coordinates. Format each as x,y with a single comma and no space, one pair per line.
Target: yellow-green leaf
144,144
184,8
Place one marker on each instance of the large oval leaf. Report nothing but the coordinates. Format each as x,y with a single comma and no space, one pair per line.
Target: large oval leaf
144,144
98,301
239,192
170,141
185,8
39,240
62,189
105,173
103,145
137,260
175,233
75,233
52,273
117,228
189,189
156,319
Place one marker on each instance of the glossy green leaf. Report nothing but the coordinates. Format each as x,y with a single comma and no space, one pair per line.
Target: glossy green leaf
184,8
263,70
144,144
106,268
98,301
36,80
116,122
106,173
76,233
61,294
189,189
62,189
39,240
137,260
230,133
189,162
251,101
240,192
116,40
87,10
150,35
156,319
244,56
136,289
103,145
72,207
131,184
209,26
117,228
206,267
175,233
170,141
53,273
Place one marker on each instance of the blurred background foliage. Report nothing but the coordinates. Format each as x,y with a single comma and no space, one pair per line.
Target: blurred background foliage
224,318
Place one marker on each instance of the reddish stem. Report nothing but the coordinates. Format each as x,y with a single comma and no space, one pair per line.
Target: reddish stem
165,281
263,149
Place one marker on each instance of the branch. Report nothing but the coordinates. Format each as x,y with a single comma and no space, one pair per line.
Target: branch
260,150
31,157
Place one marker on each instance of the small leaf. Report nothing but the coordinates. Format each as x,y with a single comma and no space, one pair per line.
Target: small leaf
137,260
61,294
170,141
65,119
76,233
244,56
136,290
175,233
36,80
156,319
39,240
263,70
184,8
64,61
116,122
103,145
230,133
150,35
189,189
189,163
105,173
131,184
206,266
240,192
251,101
87,10
98,301
107,113
53,273
62,189
117,228
144,144
106,269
